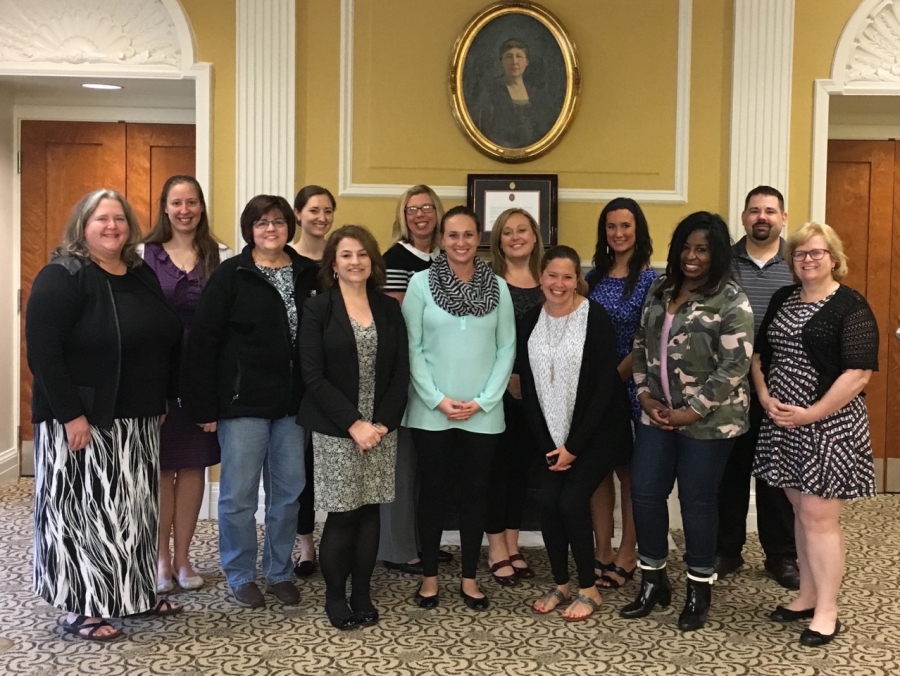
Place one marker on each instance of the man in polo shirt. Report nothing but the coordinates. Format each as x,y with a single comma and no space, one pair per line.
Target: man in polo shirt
760,268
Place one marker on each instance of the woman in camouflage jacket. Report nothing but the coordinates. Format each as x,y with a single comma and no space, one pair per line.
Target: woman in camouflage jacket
691,359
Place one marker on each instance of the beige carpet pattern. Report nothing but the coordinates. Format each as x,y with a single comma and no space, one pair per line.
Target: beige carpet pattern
214,637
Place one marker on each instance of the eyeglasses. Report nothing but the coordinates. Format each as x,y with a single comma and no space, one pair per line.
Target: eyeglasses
815,254
425,209
263,224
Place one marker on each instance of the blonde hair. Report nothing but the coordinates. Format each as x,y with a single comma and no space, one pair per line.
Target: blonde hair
73,242
498,258
832,241
400,231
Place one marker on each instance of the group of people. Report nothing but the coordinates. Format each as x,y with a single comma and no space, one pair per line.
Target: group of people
370,387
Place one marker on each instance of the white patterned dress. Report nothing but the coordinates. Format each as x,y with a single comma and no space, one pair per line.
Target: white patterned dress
346,479
832,457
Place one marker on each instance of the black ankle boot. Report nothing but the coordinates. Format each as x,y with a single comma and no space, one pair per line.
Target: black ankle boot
696,605
655,588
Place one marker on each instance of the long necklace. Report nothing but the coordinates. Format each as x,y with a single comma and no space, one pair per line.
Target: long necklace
180,266
556,340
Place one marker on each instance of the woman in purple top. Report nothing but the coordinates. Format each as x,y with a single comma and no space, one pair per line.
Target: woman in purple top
183,253
619,281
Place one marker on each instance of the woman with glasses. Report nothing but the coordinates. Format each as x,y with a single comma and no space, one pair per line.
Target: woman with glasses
416,236
246,386
816,350
314,208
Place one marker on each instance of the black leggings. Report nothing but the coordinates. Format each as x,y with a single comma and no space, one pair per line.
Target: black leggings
306,519
566,516
348,548
466,457
513,460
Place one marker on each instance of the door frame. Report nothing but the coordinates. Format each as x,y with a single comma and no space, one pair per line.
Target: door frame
201,116
845,82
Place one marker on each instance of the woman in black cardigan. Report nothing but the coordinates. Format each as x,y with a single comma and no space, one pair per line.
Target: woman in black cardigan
816,350
578,410
355,365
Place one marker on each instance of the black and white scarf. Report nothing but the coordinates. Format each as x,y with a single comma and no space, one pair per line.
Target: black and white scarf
477,297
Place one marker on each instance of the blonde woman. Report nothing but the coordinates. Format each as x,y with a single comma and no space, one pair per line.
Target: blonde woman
816,350
516,252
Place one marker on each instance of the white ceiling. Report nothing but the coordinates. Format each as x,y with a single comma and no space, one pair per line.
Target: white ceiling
67,91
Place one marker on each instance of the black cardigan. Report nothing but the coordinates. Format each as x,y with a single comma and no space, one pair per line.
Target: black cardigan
842,335
330,364
602,412
242,360
74,346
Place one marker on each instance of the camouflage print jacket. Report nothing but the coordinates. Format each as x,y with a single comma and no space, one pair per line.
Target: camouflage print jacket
709,349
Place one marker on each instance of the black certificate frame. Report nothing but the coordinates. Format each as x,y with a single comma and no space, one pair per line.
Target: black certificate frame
485,189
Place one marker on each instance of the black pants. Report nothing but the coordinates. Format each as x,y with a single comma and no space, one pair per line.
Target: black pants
774,513
566,516
306,518
347,550
445,456
513,459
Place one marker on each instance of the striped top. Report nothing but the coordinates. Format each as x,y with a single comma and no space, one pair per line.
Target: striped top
402,261
759,283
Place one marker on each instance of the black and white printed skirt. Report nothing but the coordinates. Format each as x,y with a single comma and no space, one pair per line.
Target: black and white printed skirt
96,517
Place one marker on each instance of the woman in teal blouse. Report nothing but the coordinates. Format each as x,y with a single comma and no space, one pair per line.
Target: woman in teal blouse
462,337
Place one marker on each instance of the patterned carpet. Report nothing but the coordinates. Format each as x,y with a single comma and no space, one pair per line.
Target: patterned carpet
215,637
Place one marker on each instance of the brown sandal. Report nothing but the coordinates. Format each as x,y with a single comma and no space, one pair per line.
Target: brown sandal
523,572
504,580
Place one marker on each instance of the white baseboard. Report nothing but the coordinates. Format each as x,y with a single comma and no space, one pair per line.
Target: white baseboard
9,466
210,508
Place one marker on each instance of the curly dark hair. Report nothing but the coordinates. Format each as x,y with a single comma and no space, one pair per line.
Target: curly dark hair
604,257
719,241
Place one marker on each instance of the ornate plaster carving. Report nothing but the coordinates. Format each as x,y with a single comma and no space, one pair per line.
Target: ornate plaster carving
125,32
876,51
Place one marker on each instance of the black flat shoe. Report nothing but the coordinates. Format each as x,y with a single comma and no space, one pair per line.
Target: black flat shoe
407,568
444,557
304,568
782,614
473,602
341,615
426,602
366,612
814,638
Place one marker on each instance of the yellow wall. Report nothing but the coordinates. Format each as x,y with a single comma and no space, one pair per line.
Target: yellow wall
622,135
213,24
817,28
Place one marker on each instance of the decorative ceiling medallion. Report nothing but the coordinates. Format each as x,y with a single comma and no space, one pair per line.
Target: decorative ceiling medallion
876,56
124,32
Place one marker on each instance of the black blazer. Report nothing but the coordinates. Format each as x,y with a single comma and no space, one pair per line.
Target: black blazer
330,364
601,421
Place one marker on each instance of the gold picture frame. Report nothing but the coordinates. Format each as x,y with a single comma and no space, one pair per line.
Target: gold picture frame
514,81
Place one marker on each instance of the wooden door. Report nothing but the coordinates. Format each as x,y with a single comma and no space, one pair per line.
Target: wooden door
61,162
863,206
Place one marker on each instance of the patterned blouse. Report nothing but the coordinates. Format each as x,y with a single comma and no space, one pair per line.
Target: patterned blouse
283,280
625,313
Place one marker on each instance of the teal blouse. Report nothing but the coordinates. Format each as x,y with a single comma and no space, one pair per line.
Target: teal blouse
463,358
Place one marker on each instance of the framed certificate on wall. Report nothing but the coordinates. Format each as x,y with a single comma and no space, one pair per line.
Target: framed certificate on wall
491,195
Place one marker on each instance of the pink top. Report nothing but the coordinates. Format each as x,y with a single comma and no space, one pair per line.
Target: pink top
664,356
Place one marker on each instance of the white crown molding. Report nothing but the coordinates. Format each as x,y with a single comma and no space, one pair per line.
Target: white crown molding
760,100
677,195
266,105
134,33
868,50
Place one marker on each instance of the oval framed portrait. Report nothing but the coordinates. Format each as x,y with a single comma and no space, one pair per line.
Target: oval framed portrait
514,81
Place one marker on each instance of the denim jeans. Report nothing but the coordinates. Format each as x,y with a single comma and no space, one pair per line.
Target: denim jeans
251,446
661,457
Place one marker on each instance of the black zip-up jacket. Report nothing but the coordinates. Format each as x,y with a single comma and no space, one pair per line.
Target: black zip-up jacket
242,363
74,345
